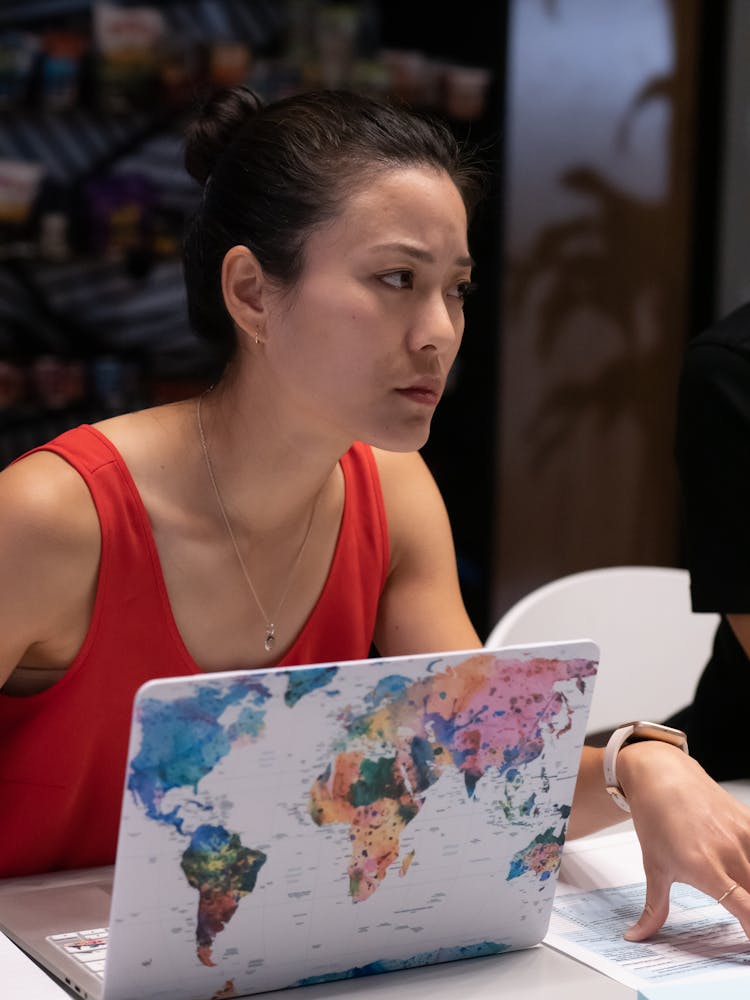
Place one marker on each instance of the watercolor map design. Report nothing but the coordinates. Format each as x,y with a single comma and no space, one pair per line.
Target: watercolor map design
307,825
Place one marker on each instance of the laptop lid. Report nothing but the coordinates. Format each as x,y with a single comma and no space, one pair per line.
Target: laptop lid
299,825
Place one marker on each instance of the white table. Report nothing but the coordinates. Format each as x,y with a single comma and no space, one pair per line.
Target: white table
522,975
535,974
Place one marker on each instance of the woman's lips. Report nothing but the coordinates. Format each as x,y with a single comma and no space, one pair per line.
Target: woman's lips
428,397
426,390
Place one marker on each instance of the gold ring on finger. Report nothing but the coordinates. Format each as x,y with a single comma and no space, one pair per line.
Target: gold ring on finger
729,892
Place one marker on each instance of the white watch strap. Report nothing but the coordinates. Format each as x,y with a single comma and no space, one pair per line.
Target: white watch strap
614,745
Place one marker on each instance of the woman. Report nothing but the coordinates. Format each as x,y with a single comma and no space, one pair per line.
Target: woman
249,527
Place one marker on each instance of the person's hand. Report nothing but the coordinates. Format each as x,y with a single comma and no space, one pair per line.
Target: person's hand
691,830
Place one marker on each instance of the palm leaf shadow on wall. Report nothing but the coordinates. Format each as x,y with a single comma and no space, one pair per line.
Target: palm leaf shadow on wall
620,261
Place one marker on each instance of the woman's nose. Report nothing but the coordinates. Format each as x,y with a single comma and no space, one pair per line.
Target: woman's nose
437,325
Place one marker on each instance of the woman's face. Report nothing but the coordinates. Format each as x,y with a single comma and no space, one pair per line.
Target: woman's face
363,344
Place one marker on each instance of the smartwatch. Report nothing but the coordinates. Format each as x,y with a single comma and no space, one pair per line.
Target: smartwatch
634,732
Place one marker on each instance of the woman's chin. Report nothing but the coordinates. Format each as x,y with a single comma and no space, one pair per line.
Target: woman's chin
402,440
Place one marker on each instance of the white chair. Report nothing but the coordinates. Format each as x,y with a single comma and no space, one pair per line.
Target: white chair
653,646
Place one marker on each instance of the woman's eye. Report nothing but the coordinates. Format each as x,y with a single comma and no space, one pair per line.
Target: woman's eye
398,279
464,289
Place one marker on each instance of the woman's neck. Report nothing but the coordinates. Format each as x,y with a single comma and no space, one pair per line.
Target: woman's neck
268,471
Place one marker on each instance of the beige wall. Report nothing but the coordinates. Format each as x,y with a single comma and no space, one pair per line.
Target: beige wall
598,193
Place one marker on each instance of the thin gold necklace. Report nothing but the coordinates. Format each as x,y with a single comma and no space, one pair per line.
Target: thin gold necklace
270,634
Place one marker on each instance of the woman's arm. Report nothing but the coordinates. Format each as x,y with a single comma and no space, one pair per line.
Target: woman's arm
421,609
740,625
690,829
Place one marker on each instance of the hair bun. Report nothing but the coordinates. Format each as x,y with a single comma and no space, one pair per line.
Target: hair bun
214,126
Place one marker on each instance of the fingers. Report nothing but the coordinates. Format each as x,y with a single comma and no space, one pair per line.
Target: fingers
655,910
737,902
729,883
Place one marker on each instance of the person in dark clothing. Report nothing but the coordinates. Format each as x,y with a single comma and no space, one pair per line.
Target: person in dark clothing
712,449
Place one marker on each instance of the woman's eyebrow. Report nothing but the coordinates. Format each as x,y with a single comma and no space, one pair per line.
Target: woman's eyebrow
419,254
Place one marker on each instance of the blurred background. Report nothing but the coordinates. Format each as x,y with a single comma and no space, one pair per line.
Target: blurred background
616,134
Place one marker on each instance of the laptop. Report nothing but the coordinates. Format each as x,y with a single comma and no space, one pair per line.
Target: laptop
303,825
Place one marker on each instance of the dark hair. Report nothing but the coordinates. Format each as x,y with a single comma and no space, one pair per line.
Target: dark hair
272,173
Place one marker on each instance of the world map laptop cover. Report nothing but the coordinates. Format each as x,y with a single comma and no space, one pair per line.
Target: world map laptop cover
310,824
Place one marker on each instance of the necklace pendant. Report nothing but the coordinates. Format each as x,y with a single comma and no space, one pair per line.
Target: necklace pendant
270,638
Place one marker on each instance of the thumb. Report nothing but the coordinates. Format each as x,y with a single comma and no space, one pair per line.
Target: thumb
655,910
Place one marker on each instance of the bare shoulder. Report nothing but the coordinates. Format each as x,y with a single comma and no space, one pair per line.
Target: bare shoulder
45,501
49,554
404,476
421,608
414,507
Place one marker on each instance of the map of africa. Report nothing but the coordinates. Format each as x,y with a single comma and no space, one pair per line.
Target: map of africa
327,823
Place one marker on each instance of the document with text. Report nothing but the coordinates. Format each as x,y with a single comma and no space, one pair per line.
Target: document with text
601,893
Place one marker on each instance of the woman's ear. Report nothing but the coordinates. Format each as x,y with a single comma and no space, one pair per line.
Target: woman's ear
243,285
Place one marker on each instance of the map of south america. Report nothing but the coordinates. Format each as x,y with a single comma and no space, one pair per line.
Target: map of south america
223,871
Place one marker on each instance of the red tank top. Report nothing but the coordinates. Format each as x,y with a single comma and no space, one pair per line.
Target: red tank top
62,752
